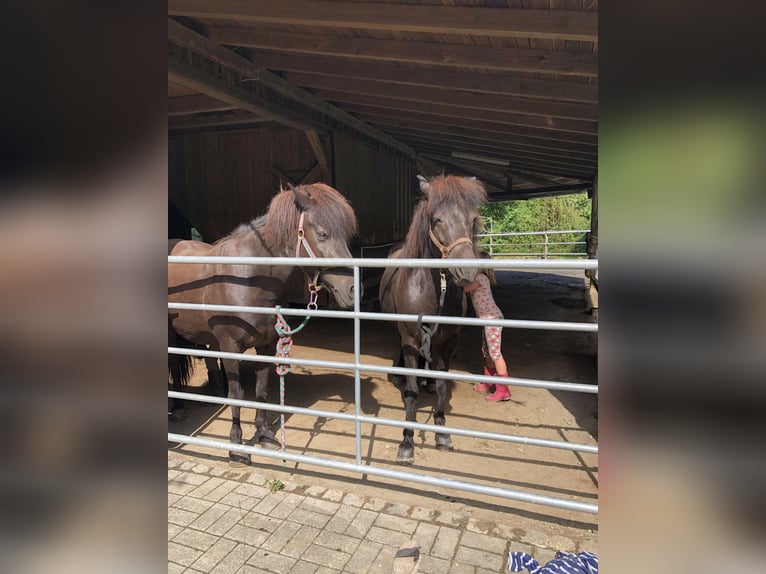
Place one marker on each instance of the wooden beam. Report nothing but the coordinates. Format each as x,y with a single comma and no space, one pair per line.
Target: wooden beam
402,133
431,53
534,193
488,83
514,165
320,154
579,171
215,119
490,149
366,113
498,22
336,88
184,105
502,116
387,123
314,175
195,61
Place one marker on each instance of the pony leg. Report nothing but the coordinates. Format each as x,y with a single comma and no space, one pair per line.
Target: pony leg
406,454
215,377
263,428
231,366
443,441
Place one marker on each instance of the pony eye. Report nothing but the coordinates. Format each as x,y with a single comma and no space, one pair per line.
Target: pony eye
322,235
436,220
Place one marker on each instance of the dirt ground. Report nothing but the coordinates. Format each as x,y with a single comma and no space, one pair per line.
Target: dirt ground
551,355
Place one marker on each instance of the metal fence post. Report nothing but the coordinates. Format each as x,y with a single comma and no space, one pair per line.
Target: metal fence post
545,246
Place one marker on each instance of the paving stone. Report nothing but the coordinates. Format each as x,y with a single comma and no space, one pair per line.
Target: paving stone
192,478
291,487
195,539
214,555
173,529
261,522
485,571
248,569
396,523
535,538
481,526
333,495
269,503
424,535
210,485
325,570
234,560
354,500
520,547
201,469
399,509
460,568
432,565
281,536
364,555
303,516
484,542
247,535
180,517
334,541
195,505
302,567
271,561
445,543
301,541
289,503
449,518
252,490
220,491
255,478
386,536
561,543
174,462
375,504
588,545
321,506
384,561
180,487
361,523
173,473
187,465
172,498
174,568
228,518
239,501
476,557
208,517
182,554
543,555
316,491
326,556
218,471
342,519
420,513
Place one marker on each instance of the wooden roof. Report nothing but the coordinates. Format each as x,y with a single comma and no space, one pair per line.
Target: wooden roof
503,89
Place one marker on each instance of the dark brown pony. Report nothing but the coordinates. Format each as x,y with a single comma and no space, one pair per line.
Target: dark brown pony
445,224
328,223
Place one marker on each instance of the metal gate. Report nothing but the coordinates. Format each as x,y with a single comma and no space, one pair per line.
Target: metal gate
356,315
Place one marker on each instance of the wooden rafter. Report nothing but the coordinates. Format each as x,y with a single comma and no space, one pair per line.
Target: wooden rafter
498,22
215,119
337,88
319,152
195,104
489,83
430,53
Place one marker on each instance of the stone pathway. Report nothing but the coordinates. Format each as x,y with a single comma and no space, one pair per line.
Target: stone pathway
223,520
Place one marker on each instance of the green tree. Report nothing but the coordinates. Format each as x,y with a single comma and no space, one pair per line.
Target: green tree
543,214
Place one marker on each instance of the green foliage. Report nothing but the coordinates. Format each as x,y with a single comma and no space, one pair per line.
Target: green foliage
544,214
275,485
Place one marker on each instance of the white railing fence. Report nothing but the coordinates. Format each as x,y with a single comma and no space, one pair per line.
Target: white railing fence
357,367
539,244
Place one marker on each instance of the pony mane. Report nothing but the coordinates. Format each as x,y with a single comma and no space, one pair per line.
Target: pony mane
462,192
278,227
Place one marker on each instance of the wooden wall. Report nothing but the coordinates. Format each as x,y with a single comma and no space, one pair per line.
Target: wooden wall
221,179
380,186
218,180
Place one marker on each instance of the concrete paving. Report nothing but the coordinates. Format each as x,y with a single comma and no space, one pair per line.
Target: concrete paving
225,520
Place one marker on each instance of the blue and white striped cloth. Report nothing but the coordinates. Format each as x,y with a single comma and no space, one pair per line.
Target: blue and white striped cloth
564,563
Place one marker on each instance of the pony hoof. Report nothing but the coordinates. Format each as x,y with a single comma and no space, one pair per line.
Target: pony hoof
237,460
269,443
177,416
443,443
405,457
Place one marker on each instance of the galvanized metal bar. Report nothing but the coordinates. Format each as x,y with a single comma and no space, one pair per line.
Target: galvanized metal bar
363,419
514,323
426,373
383,263
390,473
522,233
357,362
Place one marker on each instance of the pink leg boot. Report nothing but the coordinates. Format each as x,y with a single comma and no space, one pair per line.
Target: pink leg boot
501,393
485,387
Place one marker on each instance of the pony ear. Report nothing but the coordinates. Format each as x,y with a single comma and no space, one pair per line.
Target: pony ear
424,185
302,197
